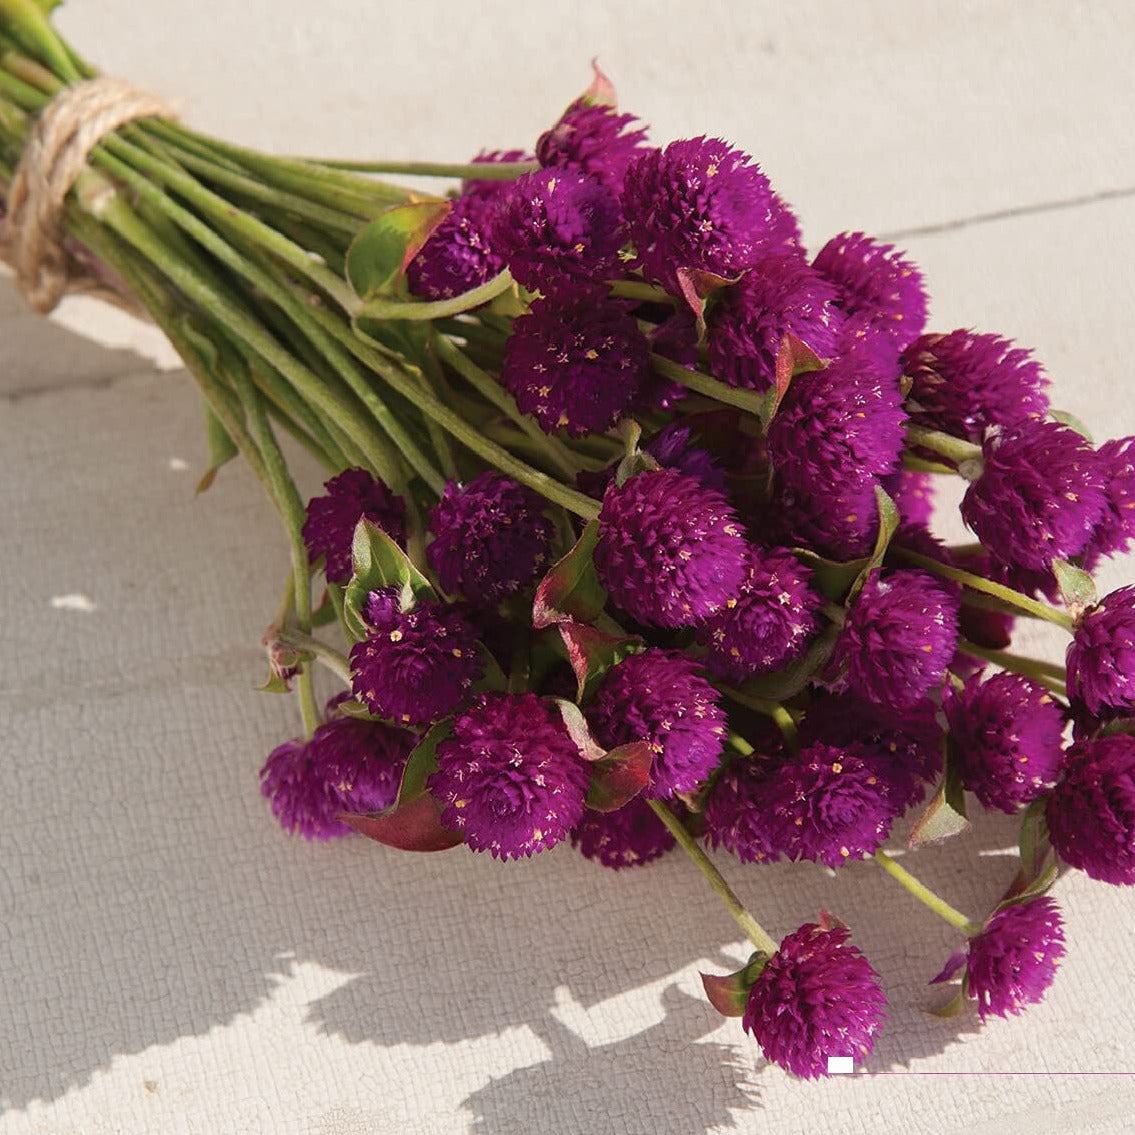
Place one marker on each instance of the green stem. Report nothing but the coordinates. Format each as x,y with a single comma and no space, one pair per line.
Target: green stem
748,400
925,895
952,448
481,171
1050,676
383,307
751,928
640,290
332,659
785,722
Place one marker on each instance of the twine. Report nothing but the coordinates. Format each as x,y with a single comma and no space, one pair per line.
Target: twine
65,133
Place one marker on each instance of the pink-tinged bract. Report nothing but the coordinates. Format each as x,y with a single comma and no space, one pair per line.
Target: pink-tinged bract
593,139
1115,529
898,639
510,777
1091,812
817,996
576,362
779,295
331,519
1007,739
769,623
414,666
1038,498
631,836
703,206
1013,961
659,697
964,382
491,538
670,549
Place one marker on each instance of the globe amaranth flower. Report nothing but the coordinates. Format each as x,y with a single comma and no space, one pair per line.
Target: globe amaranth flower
768,624
458,255
670,549
1115,528
556,227
1101,657
1091,812
491,538
701,205
779,295
672,448
880,291
659,697
817,996
414,666
631,836
963,382
1038,498
348,765
510,777
898,639
576,362
842,523
594,139
1013,961
1007,739
332,519
836,428
734,816
913,494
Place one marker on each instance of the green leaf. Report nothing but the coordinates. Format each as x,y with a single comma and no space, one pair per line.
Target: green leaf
422,762
729,993
593,652
945,815
1077,588
579,730
379,254
889,521
378,562
952,1007
620,776
571,590
1073,422
222,449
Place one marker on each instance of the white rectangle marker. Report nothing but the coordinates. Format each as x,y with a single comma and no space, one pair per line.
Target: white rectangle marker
841,1065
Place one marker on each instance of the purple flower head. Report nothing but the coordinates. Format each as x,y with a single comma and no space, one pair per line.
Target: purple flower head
1039,496
913,494
491,538
576,362
817,997
458,256
963,382
779,295
629,837
880,291
899,638
557,227
332,519
415,666
842,524
1006,734
1101,657
659,697
735,817
510,777
1013,961
671,447
1116,527
768,624
594,139
701,205
1091,812
349,765
670,550
836,428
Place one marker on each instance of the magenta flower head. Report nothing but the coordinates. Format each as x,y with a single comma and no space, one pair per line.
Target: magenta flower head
1116,527
458,255
779,295
631,836
1101,658
556,227
510,777
415,666
899,637
913,494
1091,812
880,292
490,540
1007,739
1039,496
349,765
594,139
837,428
576,362
332,519
1013,961
659,697
817,996
670,549
841,523
963,382
768,624
701,205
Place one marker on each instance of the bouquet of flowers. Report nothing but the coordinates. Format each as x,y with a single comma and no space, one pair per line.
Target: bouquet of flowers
626,539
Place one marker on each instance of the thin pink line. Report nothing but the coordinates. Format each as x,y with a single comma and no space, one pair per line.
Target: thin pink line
869,1072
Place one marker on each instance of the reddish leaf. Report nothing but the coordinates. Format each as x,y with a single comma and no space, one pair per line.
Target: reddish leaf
697,288
729,993
413,826
593,652
620,776
571,590
793,358
602,90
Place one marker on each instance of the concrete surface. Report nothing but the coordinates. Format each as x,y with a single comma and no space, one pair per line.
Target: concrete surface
169,961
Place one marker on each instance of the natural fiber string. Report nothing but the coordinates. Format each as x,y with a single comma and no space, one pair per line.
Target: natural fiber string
65,133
